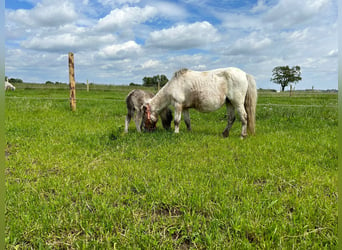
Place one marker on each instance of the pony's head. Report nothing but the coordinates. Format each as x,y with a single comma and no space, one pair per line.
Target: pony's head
150,118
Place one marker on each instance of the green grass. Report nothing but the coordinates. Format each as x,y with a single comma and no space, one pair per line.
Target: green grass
75,181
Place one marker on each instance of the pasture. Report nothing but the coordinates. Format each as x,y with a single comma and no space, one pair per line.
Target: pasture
75,180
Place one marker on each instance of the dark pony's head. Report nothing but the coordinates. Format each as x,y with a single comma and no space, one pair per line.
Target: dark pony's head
149,120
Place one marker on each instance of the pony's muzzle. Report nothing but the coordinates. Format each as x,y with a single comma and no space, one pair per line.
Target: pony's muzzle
150,126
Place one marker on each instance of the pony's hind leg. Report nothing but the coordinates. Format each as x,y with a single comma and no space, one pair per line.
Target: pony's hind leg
243,117
186,115
231,118
178,116
128,119
138,120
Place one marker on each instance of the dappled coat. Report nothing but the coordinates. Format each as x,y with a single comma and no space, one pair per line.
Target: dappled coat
134,102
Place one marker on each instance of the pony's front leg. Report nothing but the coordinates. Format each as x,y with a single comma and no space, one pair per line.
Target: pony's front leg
178,116
243,117
186,115
138,120
231,119
128,119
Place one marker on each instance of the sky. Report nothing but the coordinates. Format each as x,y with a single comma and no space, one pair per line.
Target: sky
122,41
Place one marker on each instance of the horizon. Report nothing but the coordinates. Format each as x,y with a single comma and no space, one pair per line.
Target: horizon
287,88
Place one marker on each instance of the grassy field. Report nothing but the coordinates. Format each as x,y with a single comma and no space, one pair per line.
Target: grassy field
75,181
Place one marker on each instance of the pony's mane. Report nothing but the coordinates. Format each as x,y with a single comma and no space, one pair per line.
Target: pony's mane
180,72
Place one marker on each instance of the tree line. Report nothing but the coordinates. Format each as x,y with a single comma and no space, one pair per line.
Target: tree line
155,81
13,80
283,75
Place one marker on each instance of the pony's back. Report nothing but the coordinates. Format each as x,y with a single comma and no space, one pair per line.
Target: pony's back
136,98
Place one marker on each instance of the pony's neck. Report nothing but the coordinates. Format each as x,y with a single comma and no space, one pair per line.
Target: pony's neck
161,100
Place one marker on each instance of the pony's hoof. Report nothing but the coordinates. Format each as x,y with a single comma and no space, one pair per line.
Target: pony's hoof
225,134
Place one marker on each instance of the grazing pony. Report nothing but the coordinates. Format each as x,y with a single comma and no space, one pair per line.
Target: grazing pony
8,85
134,101
206,92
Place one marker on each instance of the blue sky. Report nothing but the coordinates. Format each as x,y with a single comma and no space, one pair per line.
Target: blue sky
15,4
122,41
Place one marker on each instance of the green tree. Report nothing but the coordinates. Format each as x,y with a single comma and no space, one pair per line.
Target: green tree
15,80
155,81
163,80
134,84
147,81
284,75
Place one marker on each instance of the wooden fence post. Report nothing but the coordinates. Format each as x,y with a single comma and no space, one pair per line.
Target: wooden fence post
72,82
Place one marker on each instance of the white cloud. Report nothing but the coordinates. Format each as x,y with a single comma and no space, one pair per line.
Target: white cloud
293,13
184,36
297,35
46,14
66,38
117,3
259,7
151,64
121,51
171,10
250,45
232,21
62,42
188,61
333,53
125,18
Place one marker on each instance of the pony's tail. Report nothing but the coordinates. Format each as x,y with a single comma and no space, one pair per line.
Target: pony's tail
250,103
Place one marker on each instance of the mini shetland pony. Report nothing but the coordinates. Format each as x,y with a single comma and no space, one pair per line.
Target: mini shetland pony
134,101
206,92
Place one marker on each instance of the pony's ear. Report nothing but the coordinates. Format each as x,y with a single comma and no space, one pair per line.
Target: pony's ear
146,110
146,107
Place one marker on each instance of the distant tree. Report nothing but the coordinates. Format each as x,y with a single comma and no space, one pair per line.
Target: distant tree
15,80
284,75
147,81
59,83
154,81
163,80
49,82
